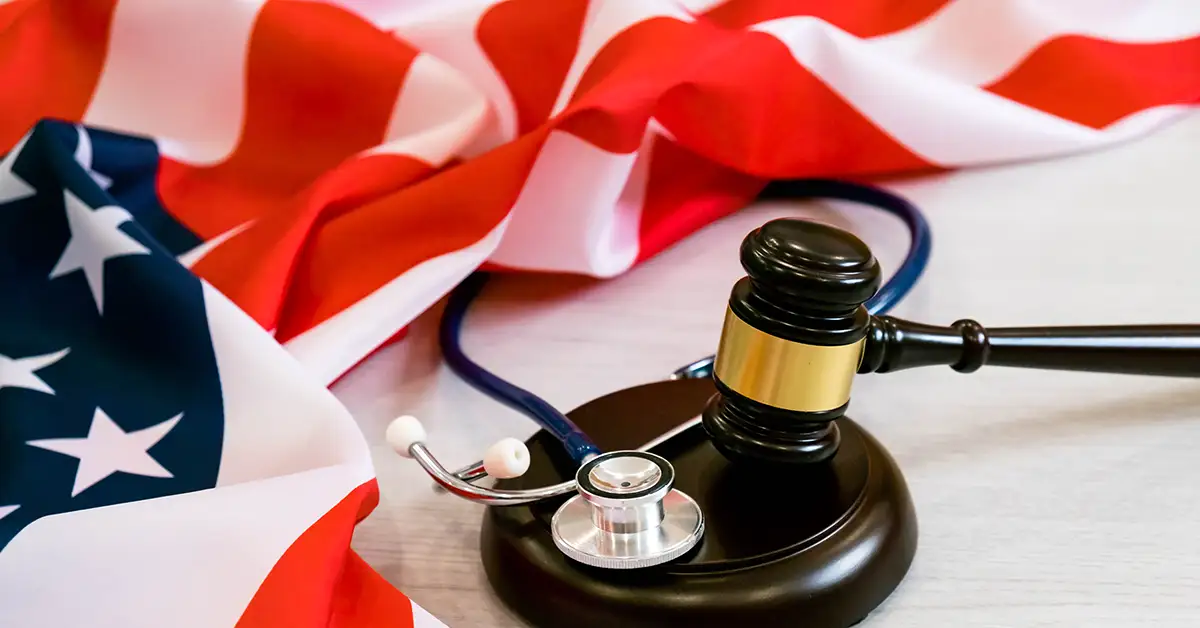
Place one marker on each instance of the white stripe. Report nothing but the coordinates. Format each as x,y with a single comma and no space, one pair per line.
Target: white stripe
337,344
605,20
193,256
579,210
187,561
279,419
385,13
696,7
291,452
944,121
979,42
422,618
448,33
436,115
188,53
654,127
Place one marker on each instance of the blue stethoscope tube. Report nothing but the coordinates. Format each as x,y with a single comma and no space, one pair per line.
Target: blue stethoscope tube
576,443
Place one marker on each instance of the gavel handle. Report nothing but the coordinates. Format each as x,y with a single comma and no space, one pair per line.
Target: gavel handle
894,344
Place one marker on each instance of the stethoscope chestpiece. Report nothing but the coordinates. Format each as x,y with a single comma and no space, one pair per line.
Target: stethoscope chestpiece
626,515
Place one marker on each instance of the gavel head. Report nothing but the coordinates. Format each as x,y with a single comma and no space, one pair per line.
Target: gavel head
792,342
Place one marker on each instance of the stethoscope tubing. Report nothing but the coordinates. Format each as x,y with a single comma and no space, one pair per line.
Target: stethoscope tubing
576,443
459,482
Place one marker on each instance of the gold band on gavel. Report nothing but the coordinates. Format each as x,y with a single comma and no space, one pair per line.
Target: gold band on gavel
782,373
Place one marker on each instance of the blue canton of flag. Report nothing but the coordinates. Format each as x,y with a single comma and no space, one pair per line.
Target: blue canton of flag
109,390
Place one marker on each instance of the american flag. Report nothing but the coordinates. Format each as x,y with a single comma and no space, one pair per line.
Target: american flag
211,209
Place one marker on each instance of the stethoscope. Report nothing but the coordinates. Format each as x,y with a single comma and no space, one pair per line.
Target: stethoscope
625,513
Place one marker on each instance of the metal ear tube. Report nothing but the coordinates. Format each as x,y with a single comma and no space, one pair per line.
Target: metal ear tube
625,515
406,435
790,510
796,332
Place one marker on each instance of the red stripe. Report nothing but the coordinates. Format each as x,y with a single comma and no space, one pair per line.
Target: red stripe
776,118
364,599
255,268
356,253
51,56
321,85
1095,82
861,18
779,120
532,43
617,93
320,583
686,192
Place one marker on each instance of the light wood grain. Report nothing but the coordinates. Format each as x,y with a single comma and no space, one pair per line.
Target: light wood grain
1044,499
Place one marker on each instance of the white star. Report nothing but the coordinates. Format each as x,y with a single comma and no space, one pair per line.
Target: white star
108,449
83,155
7,510
95,238
12,186
19,373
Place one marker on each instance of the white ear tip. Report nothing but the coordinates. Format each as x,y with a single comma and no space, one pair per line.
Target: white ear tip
403,432
508,458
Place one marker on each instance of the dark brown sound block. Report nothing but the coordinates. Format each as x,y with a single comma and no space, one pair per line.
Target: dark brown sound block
816,547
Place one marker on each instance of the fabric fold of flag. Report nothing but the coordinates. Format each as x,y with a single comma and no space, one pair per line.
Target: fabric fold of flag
166,461
337,167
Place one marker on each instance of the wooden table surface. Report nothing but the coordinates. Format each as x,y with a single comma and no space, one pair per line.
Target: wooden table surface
1044,499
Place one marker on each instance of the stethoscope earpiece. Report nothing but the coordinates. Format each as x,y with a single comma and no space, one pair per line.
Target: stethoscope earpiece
404,432
507,458
626,513
661,524
799,327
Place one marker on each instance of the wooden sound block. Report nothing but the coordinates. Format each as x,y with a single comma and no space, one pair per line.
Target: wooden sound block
819,546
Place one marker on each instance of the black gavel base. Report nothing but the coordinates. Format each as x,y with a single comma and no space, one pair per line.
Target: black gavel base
819,546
